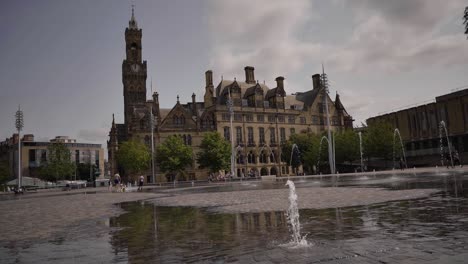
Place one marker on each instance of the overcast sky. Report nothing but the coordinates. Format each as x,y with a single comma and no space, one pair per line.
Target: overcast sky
61,60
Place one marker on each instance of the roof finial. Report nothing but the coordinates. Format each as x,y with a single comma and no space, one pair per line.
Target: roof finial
177,98
132,23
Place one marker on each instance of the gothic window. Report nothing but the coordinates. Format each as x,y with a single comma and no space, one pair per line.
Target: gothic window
226,133
260,118
251,101
273,156
237,117
321,108
250,134
291,119
261,134
263,157
272,136
283,135
315,120
292,131
271,118
302,120
239,135
281,118
250,157
189,140
249,117
185,139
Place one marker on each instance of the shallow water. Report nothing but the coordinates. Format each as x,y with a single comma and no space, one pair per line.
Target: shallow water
429,230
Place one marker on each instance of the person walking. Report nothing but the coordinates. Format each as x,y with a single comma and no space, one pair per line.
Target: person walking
140,183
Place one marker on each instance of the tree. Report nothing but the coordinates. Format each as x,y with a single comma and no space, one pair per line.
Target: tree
173,156
133,156
59,165
378,141
307,152
4,172
346,146
215,152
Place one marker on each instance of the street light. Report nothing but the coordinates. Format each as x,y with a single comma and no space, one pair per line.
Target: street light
230,107
331,141
19,126
152,119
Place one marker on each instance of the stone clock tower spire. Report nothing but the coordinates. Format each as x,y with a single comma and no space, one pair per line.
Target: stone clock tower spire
133,70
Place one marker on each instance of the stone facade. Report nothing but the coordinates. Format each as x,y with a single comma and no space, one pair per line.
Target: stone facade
263,117
419,127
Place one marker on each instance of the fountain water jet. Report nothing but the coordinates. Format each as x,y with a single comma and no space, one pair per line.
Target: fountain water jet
443,127
397,132
294,146
360,150
293,218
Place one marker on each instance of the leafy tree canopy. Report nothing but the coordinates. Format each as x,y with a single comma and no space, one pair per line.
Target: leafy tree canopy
346,146
4,172
173,155
215,152
59,165
133,156
378,140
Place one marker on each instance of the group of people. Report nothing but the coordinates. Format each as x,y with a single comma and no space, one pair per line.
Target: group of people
117,184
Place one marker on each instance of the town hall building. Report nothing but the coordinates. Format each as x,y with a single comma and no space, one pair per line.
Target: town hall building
263,117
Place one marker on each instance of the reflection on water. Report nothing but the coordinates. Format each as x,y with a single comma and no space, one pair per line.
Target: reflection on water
429,229
183,234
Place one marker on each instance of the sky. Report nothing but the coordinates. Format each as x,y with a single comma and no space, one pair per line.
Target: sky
62,60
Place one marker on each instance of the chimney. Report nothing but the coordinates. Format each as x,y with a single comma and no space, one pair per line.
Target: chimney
249,75
209,78
194,105
279,82
316,81
156,98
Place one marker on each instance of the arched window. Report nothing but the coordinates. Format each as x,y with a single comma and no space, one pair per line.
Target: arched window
189,140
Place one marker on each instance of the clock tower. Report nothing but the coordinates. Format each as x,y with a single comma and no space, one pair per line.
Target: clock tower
133,70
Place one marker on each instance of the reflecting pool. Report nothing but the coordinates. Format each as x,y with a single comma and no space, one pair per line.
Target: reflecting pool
433,229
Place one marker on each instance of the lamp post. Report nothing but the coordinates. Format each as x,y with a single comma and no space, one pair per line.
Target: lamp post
331,154
153,118
19,126
231,116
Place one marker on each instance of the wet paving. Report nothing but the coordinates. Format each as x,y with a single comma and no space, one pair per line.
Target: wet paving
433,229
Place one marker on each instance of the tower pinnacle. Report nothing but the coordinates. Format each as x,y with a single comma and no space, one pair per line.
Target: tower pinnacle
132,24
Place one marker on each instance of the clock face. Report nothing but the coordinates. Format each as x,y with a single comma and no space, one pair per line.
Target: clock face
135,67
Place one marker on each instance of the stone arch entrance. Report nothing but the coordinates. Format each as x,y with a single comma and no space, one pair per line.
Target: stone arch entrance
264,171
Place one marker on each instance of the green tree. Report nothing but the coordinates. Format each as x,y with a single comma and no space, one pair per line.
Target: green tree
378,141
4,172
215,152
173,156
59,165
346,146
134,157
307,153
